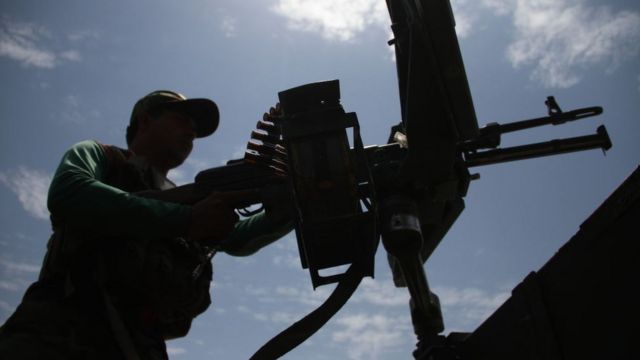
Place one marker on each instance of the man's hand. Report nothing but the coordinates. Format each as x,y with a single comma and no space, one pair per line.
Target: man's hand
213,218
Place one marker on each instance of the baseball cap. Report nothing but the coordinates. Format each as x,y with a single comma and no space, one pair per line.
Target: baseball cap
204,112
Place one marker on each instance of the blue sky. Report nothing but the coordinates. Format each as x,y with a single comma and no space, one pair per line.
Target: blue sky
72,70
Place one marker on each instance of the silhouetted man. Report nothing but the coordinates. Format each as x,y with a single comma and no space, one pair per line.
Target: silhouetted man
119,274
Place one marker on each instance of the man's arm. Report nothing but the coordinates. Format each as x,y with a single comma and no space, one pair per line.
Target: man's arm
78,196
253,233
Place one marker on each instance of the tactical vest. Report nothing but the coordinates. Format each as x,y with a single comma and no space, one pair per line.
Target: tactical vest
151,282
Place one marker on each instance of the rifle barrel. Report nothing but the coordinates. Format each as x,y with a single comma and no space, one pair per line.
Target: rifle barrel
599,140
556,119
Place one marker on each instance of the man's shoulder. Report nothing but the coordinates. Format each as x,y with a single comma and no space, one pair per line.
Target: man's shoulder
100,148
88,147
87,144
92,145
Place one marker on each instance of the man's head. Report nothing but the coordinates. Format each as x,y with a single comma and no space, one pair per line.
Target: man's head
164,124
204,112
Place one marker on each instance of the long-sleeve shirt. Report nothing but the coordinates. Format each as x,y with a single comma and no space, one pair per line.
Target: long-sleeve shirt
94,292
80,196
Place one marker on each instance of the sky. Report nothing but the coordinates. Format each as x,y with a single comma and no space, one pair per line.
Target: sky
72,70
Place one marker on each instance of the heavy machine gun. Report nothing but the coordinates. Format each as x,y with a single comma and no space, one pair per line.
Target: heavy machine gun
408,192
348,196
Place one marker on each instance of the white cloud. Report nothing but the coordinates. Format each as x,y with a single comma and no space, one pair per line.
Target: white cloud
16,276
344,20
306,296
464,309
178,176
199,164
243,309
287,244
6,307
367,336
82,35
14,267
370,291
229,26
273,317
562,39
465,15
25,43
31,186
280,317
287,260
73,111
381,293
500,7
9,286
255,291
559,40
333,19
238,153
297,300
17,42
175,350
71,55
71,101
287,254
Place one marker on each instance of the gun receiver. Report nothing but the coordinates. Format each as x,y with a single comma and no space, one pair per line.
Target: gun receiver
332,227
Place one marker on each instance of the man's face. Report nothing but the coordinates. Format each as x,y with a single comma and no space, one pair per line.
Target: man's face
172,134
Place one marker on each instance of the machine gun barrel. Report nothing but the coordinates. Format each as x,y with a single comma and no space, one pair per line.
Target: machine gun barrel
599,140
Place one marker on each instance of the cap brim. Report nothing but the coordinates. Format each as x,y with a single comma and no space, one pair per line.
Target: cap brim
204,113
